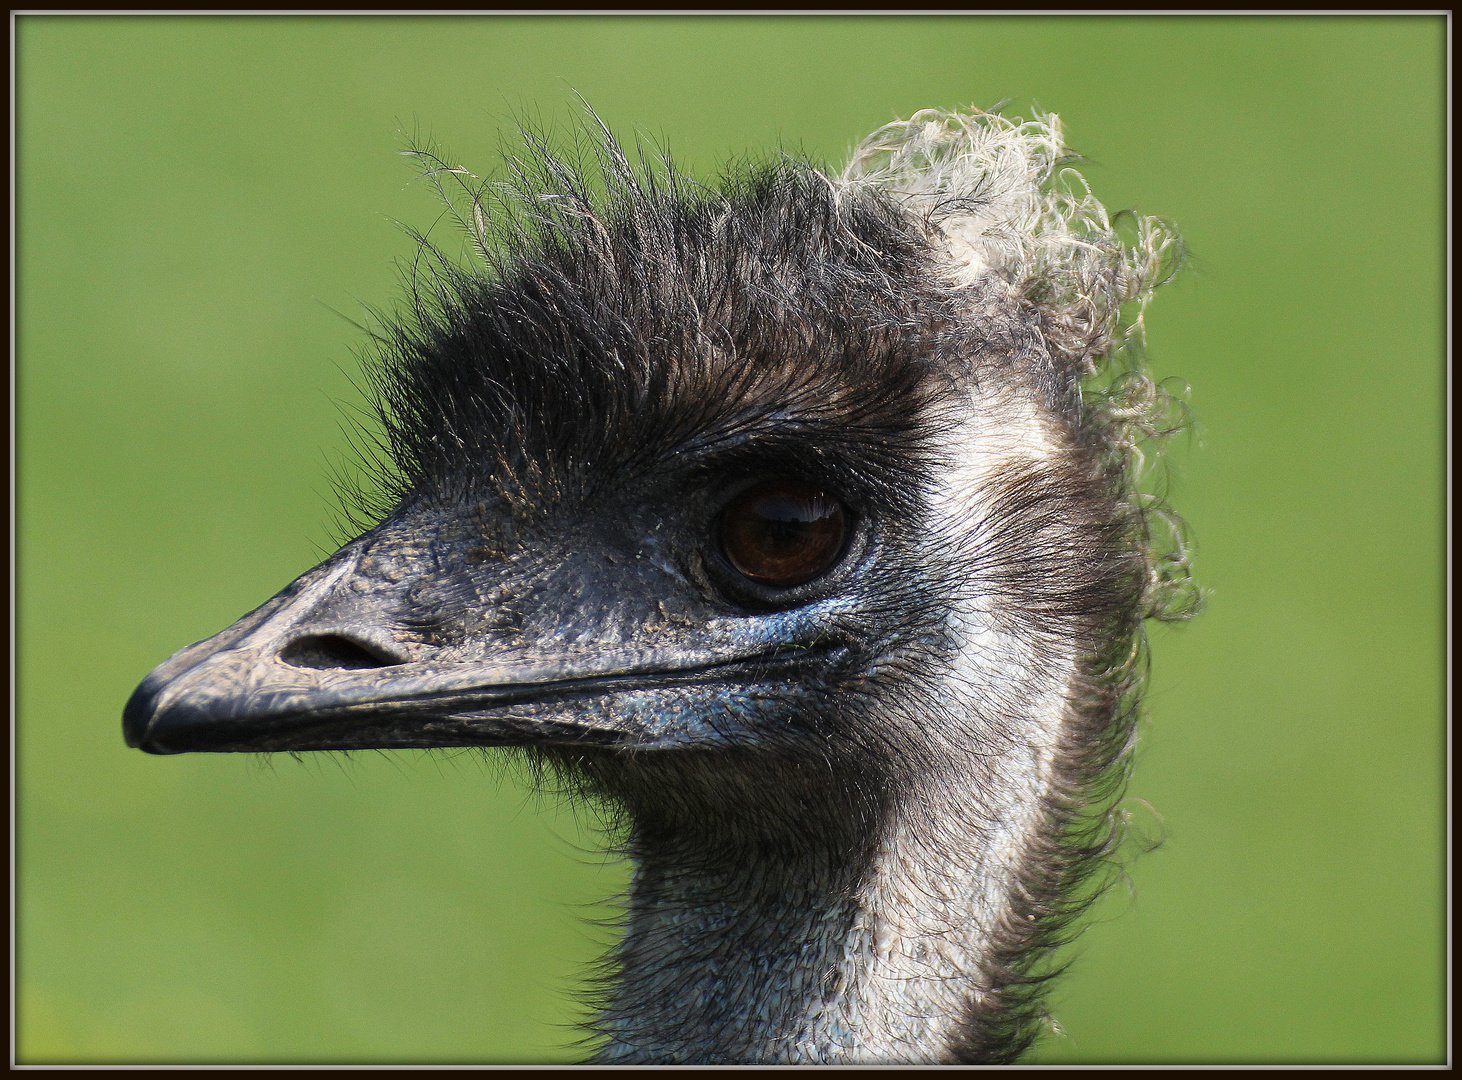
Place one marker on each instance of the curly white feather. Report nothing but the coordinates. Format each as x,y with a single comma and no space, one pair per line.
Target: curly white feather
997,197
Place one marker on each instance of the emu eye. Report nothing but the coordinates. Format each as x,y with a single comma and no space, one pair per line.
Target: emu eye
783,532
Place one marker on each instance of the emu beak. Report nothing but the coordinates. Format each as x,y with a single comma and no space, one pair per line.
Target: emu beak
317,668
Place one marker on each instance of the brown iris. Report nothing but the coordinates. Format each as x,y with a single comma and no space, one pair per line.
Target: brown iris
783,532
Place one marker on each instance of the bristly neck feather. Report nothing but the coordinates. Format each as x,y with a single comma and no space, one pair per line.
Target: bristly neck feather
850,952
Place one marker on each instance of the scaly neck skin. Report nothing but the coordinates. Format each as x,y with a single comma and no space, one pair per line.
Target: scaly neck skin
728,965
821,957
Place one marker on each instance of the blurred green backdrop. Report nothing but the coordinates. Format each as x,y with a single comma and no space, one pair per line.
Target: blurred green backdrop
199,196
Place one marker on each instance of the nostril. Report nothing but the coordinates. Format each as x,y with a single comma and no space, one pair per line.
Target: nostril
331,651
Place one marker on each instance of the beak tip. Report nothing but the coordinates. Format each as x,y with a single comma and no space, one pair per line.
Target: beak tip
137,717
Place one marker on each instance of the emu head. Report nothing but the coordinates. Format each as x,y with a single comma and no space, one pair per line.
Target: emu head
784,515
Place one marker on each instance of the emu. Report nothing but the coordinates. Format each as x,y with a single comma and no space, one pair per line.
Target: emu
796,522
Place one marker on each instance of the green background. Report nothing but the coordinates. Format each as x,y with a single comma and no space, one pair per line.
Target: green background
200,199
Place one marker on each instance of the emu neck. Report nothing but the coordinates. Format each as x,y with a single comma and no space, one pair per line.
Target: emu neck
844,952
730,965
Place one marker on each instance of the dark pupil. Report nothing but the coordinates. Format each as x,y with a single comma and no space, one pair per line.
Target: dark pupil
783,532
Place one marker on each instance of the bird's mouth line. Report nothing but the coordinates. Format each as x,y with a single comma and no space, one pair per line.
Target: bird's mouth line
489,699
505,714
